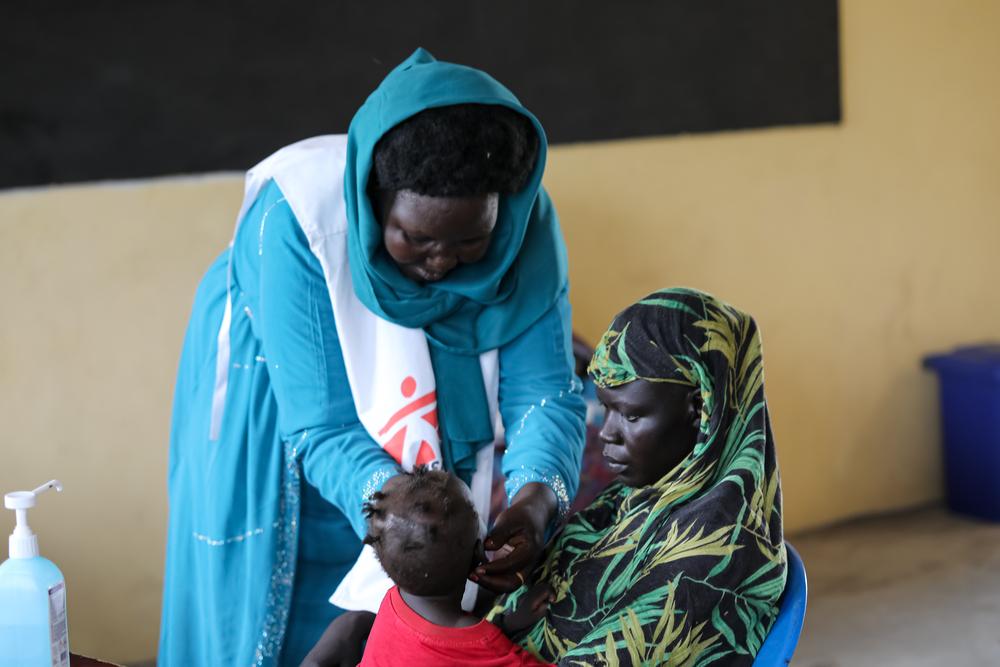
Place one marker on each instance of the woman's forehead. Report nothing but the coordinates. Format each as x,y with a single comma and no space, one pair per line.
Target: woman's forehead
641,393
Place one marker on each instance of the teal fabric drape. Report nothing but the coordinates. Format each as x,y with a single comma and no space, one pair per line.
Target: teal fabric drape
480,306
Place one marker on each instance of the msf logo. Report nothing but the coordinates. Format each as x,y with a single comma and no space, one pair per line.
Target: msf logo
416,419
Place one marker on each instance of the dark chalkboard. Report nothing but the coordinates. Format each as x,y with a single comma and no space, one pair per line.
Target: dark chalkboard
122,89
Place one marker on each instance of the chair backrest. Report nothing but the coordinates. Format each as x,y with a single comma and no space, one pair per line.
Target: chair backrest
780,643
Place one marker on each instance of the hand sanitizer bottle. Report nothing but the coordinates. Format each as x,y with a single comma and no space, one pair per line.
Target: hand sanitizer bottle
33,629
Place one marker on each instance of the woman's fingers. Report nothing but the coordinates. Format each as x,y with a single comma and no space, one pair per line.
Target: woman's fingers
502,531
516,540
519,556
498,583
495,540
516,519
502,552
515,562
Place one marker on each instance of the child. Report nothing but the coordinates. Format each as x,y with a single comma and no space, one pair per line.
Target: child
425,532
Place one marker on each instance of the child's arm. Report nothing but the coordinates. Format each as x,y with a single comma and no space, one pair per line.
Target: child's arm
343,641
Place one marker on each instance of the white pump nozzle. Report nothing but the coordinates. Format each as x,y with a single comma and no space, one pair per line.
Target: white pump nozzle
23,543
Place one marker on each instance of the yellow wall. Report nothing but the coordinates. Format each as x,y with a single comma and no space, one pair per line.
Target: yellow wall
858,247
95,286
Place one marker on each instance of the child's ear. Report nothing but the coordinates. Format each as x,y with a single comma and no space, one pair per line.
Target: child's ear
478,555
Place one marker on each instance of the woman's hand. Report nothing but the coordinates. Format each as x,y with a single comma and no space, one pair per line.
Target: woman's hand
518,538
531,607
343,641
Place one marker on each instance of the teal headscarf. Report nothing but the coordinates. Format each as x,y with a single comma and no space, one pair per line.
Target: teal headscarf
477,307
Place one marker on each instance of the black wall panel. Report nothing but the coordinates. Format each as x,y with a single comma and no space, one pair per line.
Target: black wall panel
121,89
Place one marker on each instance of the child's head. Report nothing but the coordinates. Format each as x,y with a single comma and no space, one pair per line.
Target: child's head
424,530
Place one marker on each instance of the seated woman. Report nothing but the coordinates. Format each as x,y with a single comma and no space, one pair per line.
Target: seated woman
681,560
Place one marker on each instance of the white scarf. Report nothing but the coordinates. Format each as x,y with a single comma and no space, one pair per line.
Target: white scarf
388,366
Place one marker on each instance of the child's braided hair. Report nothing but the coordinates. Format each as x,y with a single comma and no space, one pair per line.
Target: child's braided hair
424,532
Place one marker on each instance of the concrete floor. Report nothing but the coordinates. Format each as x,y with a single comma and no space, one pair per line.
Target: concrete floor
916,589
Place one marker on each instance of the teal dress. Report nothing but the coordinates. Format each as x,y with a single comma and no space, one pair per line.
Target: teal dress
266,519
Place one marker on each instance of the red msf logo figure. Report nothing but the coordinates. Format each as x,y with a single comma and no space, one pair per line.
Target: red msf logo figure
419,419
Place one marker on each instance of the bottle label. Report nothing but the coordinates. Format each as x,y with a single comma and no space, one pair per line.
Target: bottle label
57,625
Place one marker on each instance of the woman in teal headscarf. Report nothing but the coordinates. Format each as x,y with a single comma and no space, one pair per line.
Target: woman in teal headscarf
421,240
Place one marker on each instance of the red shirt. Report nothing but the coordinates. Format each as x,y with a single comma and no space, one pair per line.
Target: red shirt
400,636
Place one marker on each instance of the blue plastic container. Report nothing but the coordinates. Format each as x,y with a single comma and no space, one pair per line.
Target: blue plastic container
970,420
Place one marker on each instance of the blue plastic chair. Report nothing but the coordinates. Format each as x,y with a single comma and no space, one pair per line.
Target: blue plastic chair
780,643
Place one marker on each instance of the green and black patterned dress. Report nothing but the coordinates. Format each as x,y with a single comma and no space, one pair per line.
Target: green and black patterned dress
687,571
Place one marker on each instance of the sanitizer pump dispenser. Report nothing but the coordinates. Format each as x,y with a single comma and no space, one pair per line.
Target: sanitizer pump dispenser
33,630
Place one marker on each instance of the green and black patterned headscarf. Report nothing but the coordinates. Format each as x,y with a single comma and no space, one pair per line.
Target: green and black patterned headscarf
688,570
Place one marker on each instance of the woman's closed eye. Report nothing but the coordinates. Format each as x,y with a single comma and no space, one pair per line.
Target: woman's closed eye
627,416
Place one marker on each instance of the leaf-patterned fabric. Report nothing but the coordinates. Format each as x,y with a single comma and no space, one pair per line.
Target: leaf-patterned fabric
686,571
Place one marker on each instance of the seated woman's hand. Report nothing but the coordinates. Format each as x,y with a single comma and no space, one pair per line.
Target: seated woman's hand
531,607
343,641
518,538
